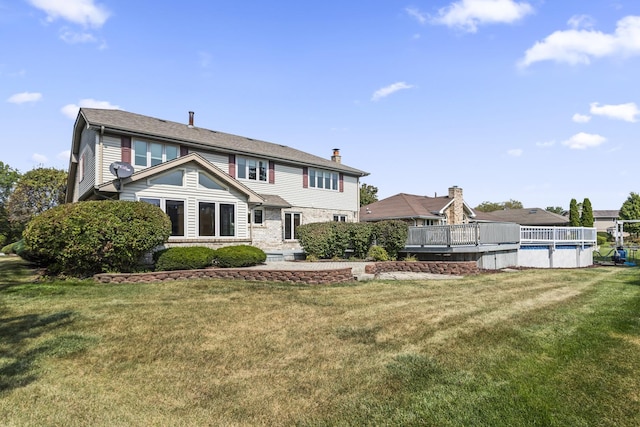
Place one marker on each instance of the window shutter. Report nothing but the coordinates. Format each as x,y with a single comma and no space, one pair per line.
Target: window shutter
341,183
232,165
184,150
272,172
125,149
305,177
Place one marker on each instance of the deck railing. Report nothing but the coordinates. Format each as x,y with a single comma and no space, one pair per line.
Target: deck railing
476,234
557,235
464,234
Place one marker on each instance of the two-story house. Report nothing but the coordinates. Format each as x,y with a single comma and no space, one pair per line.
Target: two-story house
218,189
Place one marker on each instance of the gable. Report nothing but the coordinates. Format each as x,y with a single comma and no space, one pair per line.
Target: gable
164,174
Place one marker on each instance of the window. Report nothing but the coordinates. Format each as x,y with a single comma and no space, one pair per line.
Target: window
174,209
251,169
291,223
323,179
340,218
81,166
258,216
227,219
172,178
209,183
216,219
207,219
153,153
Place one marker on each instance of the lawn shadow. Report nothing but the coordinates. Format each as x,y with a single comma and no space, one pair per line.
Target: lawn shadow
15,335
14,271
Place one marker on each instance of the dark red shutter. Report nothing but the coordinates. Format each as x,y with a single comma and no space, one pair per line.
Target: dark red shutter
272,172
305,177
232,165
341,184
125,148
184,150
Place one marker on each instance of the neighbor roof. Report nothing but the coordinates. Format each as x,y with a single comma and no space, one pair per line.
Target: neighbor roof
406,206
529,216
606,214
121,122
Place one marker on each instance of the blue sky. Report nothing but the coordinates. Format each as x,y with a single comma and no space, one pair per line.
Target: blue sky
532,100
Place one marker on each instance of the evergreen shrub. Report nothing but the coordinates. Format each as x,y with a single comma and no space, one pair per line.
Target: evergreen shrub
239,256
391,235
184,258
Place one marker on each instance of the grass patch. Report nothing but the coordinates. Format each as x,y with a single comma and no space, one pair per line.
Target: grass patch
534,347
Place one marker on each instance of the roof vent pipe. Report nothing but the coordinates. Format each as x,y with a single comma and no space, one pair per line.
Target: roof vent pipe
191,113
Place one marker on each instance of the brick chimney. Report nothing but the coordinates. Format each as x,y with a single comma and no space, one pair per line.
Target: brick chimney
336,157
455,212
191,113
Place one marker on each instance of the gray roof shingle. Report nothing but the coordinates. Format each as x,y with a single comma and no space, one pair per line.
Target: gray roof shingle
120,121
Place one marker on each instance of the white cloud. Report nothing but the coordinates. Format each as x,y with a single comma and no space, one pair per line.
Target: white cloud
63,155
416,14
469,14
40,159
73,37
582,140
581,21
545,144
626,112
580,46
388,90
516,152
83,12
581,118
21,98
71,110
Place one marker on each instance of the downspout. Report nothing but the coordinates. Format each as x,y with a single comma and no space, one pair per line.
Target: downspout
100,155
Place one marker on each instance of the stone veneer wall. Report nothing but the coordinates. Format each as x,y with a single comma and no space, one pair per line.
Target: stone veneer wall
462,268
268,237
310,277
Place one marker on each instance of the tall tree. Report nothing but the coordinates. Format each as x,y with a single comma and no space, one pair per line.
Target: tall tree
35,192
8,179
368,194
513,204
574,214
555,209
586,218
493,206
631,210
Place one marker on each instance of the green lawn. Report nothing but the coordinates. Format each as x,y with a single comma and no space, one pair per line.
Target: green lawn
524,348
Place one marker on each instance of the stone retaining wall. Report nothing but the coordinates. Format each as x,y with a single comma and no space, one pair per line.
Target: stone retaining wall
462,268
310,277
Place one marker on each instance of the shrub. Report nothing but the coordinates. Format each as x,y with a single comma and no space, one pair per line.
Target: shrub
239,256
377,253
332,239
391,235
184,258
84,238
8,249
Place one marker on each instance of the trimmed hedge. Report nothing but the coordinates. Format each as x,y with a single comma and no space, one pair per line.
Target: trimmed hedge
184,258
239,256
85,238
326,240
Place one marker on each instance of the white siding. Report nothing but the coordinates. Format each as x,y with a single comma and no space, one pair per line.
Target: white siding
192,194
220,160
87,149
111,152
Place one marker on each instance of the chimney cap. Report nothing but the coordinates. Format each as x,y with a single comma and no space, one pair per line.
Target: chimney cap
191,113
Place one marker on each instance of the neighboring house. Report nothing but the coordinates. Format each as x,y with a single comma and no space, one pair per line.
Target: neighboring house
420,210
530,217
218,189
605,220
